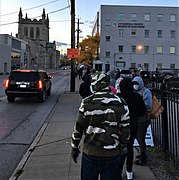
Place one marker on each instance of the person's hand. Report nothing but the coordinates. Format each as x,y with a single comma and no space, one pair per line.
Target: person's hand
74,154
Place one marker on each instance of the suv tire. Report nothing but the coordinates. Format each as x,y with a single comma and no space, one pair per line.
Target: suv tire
10,98
42,97
48,93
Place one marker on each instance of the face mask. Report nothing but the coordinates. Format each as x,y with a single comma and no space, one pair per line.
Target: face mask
136,87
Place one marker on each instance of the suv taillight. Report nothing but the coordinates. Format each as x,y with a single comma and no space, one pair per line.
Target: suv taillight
40,85
6,83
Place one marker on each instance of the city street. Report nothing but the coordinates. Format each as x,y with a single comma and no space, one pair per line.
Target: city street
21,120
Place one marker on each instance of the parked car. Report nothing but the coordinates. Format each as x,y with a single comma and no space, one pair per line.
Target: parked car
28,83
145,75
125,73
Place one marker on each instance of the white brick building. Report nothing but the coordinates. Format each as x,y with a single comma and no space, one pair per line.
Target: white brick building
142,37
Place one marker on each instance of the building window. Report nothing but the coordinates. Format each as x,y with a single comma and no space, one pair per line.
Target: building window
172,66
121,17
37,32
172,49
172,33
108,38
172,18
146,49
32,32
107,67
26,31
120,48
146,33
133,32
146,17
159,17
159,33
108,22
146,65
133,17
159,65
107,54
159,49
121,32
133,65
133,49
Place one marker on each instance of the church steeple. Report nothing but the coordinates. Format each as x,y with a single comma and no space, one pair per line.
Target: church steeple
43,14
20,14
47,21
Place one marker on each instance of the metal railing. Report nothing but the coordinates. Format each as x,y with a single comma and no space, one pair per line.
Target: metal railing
166,127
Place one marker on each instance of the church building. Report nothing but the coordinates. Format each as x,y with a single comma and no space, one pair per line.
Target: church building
42,53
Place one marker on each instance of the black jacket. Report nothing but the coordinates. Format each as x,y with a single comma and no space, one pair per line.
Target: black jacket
134,100
84,89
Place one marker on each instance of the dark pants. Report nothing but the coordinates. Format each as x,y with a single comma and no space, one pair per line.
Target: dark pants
106,167
130,150
142,131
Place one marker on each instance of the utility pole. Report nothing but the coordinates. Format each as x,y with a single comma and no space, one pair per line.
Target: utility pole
72,83
78,30
98,33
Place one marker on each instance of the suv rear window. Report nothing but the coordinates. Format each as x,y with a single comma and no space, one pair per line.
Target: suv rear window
24,76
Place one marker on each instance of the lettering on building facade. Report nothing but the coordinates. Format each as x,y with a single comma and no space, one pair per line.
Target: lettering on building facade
131,25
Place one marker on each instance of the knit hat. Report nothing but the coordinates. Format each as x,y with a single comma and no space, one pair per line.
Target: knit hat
99,81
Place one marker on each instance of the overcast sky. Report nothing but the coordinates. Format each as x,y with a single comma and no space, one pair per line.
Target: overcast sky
59,14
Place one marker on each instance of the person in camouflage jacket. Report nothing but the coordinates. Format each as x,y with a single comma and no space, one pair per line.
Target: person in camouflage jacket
103,119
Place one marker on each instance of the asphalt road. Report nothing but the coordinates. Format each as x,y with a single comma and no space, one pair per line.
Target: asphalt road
21,120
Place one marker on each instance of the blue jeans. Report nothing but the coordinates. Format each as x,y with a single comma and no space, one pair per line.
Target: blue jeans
107,167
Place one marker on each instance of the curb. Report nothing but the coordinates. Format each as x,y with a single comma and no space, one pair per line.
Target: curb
19,169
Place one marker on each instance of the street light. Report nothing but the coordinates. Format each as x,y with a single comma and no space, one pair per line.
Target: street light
139,48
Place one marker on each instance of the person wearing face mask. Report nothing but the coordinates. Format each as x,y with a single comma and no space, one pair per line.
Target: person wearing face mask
137,110
144,122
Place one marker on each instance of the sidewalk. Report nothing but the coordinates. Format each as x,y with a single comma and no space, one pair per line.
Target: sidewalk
49,156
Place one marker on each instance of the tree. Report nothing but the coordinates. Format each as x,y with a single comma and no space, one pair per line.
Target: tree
89,49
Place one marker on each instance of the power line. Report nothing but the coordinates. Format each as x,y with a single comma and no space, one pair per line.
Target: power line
37,16
30,8
54,11
8,23
60,21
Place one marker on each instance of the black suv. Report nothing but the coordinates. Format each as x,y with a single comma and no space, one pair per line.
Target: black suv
28,83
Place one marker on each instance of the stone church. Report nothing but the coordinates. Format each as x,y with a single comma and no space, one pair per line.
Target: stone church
41,52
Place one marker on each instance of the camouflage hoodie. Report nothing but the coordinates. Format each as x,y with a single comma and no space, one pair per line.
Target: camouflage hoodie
104,120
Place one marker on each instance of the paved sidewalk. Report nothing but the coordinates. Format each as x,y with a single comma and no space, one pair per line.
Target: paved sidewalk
48,158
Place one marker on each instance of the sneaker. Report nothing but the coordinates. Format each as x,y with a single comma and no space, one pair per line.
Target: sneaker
140,163
139,157
129,175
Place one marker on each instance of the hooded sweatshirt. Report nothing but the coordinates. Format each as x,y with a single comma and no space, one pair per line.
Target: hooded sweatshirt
104,119
112,76
144,92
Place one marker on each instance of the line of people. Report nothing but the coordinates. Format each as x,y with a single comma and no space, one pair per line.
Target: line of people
112,114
